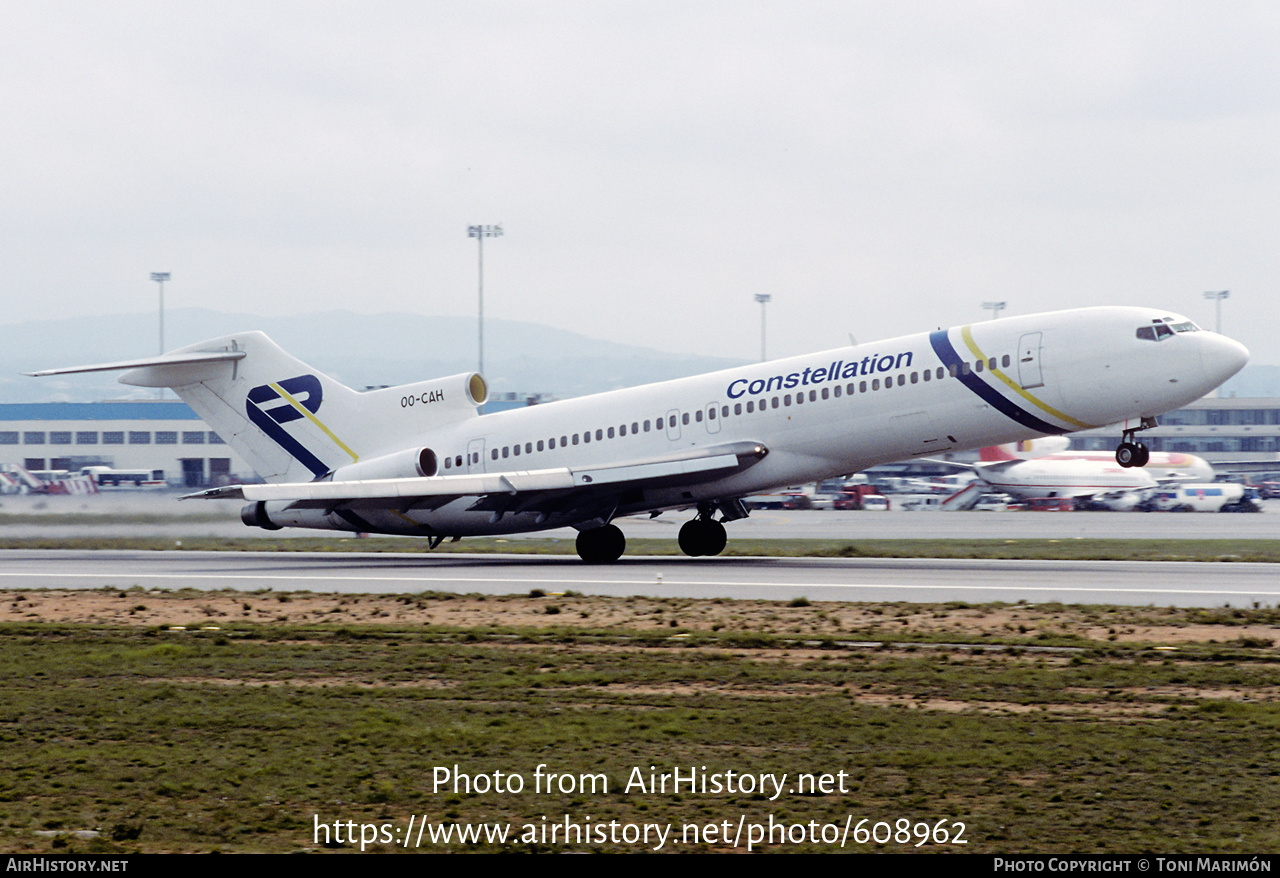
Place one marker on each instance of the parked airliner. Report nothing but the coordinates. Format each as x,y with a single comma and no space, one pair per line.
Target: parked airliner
419,460
1046,468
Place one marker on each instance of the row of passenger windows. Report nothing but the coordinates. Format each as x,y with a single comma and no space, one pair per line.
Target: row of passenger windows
107,437
751,406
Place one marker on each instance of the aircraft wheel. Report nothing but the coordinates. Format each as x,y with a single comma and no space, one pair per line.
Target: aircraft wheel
717,538
690,538
702,536
1127,454
1144,455
601,545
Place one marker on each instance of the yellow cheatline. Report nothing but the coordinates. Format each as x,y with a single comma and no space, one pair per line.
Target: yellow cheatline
306,413
1017,388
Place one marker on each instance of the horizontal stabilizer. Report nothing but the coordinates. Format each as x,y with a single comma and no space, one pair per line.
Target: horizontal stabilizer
165,360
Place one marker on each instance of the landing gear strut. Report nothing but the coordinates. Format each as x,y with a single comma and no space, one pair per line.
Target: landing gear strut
601,545
703,535
1133,453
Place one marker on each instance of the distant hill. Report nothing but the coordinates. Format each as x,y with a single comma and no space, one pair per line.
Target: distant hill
359,350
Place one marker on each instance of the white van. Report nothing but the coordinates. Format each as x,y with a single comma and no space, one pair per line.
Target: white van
1209,497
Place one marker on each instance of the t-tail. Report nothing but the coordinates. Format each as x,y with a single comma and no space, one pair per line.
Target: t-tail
293,423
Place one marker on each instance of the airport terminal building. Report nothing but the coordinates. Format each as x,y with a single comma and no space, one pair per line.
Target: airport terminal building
1225,431
166,437
161,435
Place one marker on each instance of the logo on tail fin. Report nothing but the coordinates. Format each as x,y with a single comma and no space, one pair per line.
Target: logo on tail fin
299,397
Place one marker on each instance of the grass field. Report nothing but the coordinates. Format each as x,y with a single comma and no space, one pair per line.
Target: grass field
1039,729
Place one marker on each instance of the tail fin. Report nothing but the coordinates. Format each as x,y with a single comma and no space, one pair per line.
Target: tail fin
291,422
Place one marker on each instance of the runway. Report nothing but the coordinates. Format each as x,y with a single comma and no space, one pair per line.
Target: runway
1183,584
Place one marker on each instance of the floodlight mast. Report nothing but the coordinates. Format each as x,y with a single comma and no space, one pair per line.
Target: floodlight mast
160,277
480,233
1217,297
763,299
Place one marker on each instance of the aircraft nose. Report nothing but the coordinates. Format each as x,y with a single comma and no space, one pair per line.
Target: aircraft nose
1222,357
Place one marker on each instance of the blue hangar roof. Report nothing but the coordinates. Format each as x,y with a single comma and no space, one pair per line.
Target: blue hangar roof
125,410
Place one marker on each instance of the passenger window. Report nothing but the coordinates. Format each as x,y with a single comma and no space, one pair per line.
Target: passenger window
610,433
837,391
915,378
977,366
684,419
875,383
825,394
540,444
599,435
516,451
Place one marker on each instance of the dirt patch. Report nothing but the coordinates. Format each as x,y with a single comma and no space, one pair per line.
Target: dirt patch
819,621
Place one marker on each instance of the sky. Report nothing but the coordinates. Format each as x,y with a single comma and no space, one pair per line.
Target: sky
878,168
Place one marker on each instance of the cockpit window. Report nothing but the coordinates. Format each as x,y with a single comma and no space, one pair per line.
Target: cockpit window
1185,327
1159,332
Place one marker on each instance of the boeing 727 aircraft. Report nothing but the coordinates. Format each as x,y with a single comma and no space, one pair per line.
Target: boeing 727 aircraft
418,459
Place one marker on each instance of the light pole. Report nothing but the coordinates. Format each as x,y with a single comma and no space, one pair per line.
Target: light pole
480,233
1218,297
763,299
160,277
995,308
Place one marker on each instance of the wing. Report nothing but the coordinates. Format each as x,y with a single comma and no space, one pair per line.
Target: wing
558,490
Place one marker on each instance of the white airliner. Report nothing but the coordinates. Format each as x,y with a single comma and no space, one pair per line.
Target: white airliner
1038,469
1164,466
418,460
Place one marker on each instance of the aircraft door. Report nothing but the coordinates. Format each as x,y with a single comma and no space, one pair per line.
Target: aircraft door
1029,361
475,456
712,417
673,425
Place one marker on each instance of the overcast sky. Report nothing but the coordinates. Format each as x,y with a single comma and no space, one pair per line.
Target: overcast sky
879,168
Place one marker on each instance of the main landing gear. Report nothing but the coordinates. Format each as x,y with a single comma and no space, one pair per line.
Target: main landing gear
601,545
703,535
1133,453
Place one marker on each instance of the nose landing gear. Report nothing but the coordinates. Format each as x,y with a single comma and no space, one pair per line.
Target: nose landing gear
1133,453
